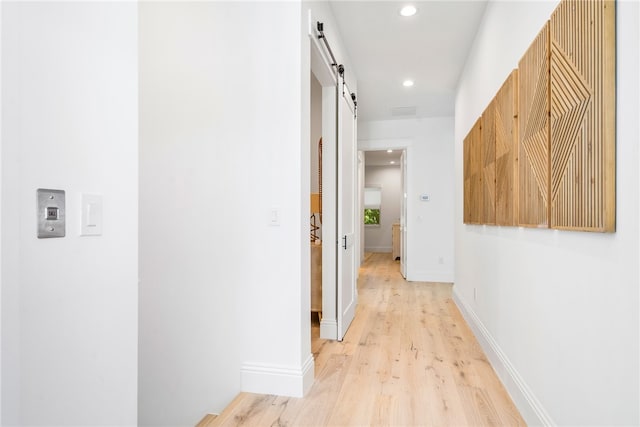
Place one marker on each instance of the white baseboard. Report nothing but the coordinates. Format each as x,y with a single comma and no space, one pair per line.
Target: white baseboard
291,381
379,249
328,329
529,406
444,276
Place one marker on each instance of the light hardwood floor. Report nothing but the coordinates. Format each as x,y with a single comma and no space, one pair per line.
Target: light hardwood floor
408,359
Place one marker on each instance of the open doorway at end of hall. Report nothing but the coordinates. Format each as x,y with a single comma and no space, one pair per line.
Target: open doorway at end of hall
383,186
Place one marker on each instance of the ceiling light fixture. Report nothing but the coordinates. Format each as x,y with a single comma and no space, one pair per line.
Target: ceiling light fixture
392,162
408,10
407,83
389,151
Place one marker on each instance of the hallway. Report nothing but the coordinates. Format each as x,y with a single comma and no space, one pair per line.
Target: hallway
408,359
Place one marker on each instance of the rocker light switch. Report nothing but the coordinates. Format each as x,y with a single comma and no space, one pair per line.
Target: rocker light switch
51,213
91,215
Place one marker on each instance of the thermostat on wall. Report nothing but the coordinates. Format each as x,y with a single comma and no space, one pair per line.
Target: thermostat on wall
424,198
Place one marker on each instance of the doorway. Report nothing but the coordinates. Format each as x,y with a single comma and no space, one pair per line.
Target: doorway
315,217
333,165
383,205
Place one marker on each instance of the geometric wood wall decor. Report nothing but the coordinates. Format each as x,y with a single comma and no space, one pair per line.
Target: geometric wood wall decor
473,195
506,136
543,152
533,125
466,179
466,168
488,152
582,39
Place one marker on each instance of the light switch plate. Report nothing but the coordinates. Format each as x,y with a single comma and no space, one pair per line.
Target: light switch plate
274,217
51,213
91,223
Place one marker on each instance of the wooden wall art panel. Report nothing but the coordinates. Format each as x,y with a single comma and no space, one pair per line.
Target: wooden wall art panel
533,124
583,115
466,178
488,143
506,136
543,152
473,197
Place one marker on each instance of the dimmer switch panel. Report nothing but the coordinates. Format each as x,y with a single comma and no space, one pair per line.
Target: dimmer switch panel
50,213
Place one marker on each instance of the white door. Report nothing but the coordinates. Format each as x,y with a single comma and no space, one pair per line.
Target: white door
403,216
346,251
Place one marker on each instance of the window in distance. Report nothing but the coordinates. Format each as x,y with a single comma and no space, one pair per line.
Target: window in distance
372,203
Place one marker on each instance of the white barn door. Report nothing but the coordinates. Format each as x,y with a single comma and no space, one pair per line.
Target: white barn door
347,199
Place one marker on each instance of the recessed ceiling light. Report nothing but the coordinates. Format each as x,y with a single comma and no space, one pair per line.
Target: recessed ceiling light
407,83
389,151
392,162
408,10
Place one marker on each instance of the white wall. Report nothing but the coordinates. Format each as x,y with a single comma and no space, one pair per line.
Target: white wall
429,144
224,295
557,311
1,325
388,178
69,305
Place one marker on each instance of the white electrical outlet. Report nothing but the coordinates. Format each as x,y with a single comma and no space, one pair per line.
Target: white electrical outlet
274,217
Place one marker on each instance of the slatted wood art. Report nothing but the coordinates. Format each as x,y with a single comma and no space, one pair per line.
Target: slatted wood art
563,95
583,115
533,123
473,167
488,150
467,171
506,135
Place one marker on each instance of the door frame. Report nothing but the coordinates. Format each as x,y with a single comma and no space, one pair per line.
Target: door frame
403,213
328,78
399,145
326,72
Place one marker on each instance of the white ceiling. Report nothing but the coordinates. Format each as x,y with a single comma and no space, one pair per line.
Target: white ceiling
430,48
382,158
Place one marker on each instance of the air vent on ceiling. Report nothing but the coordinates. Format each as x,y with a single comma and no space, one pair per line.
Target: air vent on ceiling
403,111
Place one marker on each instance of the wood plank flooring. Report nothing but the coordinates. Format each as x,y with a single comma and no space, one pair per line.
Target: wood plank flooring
207,421
408,359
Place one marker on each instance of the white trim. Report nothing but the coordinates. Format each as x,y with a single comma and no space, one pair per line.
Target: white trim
320,61
2,384
328,329
445,276
329,205
280,380
378,249
529,406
